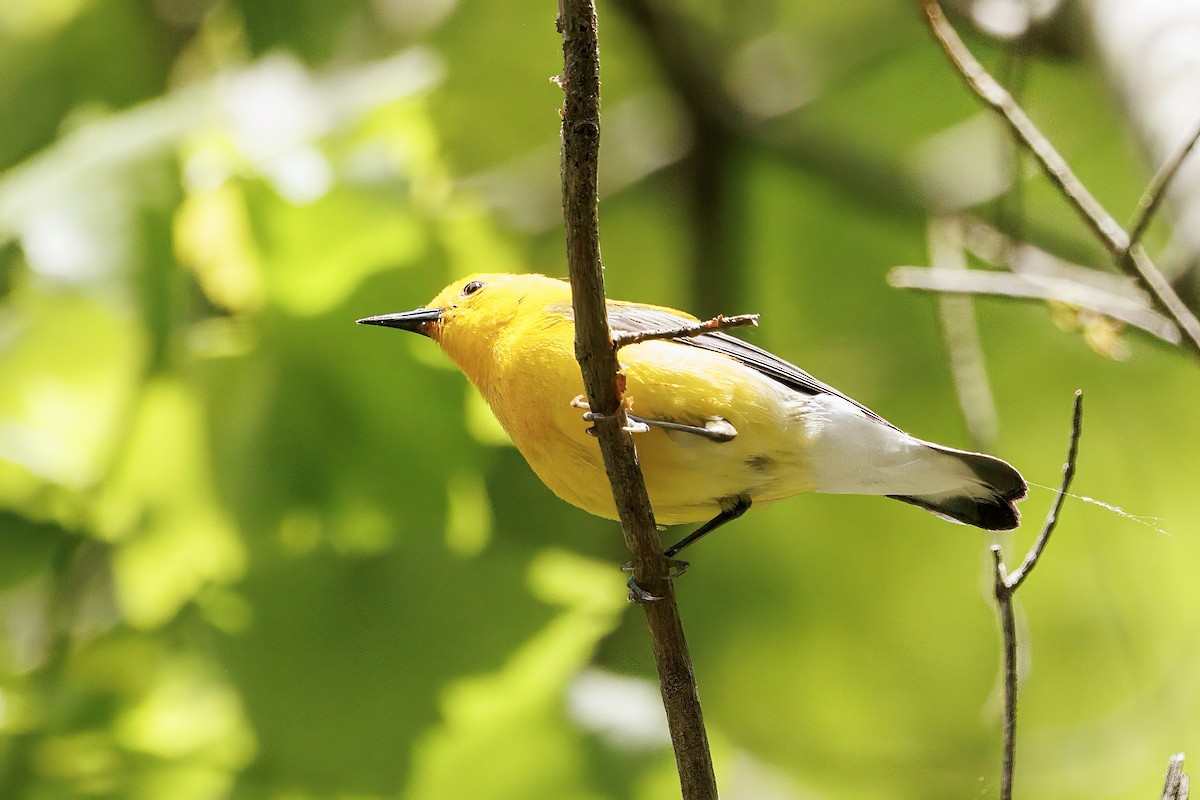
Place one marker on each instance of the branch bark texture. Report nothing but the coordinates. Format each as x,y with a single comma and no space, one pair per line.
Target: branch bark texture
604,386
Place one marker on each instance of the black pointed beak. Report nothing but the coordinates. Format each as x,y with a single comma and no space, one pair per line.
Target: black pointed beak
417,320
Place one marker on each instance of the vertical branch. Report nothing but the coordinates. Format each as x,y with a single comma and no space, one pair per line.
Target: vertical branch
1007,585
603,384
1008,633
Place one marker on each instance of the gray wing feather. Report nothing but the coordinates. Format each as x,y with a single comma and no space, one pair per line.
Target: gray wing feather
630,318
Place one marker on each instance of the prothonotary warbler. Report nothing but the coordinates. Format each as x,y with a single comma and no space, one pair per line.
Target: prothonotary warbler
724,424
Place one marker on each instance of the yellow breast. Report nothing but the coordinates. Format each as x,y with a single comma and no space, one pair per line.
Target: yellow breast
530,389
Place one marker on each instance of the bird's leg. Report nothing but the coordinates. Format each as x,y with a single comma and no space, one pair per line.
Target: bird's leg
739,506
632,423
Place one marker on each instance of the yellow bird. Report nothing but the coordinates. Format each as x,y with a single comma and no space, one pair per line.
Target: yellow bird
721,424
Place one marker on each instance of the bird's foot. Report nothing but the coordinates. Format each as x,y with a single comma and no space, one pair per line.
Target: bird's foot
715,429
632,424
637,594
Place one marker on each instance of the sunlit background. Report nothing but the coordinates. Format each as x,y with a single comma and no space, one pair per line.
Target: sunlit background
251,550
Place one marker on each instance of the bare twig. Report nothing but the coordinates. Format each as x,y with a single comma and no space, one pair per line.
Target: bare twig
999,100
1131,257
717,323
598,363
1006,586
1031,558
1008,631
1163,293
1028,287
1157,189
1175,787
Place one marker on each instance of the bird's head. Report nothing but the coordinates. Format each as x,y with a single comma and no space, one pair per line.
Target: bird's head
470,315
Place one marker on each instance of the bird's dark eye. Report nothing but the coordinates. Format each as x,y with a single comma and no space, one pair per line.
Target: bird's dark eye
472,288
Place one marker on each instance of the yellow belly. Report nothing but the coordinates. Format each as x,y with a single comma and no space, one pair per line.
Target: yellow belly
687,476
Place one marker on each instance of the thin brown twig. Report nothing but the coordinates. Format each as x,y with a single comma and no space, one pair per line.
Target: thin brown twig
1015,579
1008,285
1157,189
1006,585
717,323
598,364
1130,257
1008,632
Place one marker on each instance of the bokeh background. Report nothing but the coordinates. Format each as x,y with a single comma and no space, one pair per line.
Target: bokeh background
250,550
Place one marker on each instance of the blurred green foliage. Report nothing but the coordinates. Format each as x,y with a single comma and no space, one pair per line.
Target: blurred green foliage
249,550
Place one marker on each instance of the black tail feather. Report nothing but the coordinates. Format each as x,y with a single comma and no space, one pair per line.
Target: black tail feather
991,514
988,502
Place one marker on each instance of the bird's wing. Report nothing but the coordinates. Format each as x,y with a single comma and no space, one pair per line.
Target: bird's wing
633,318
